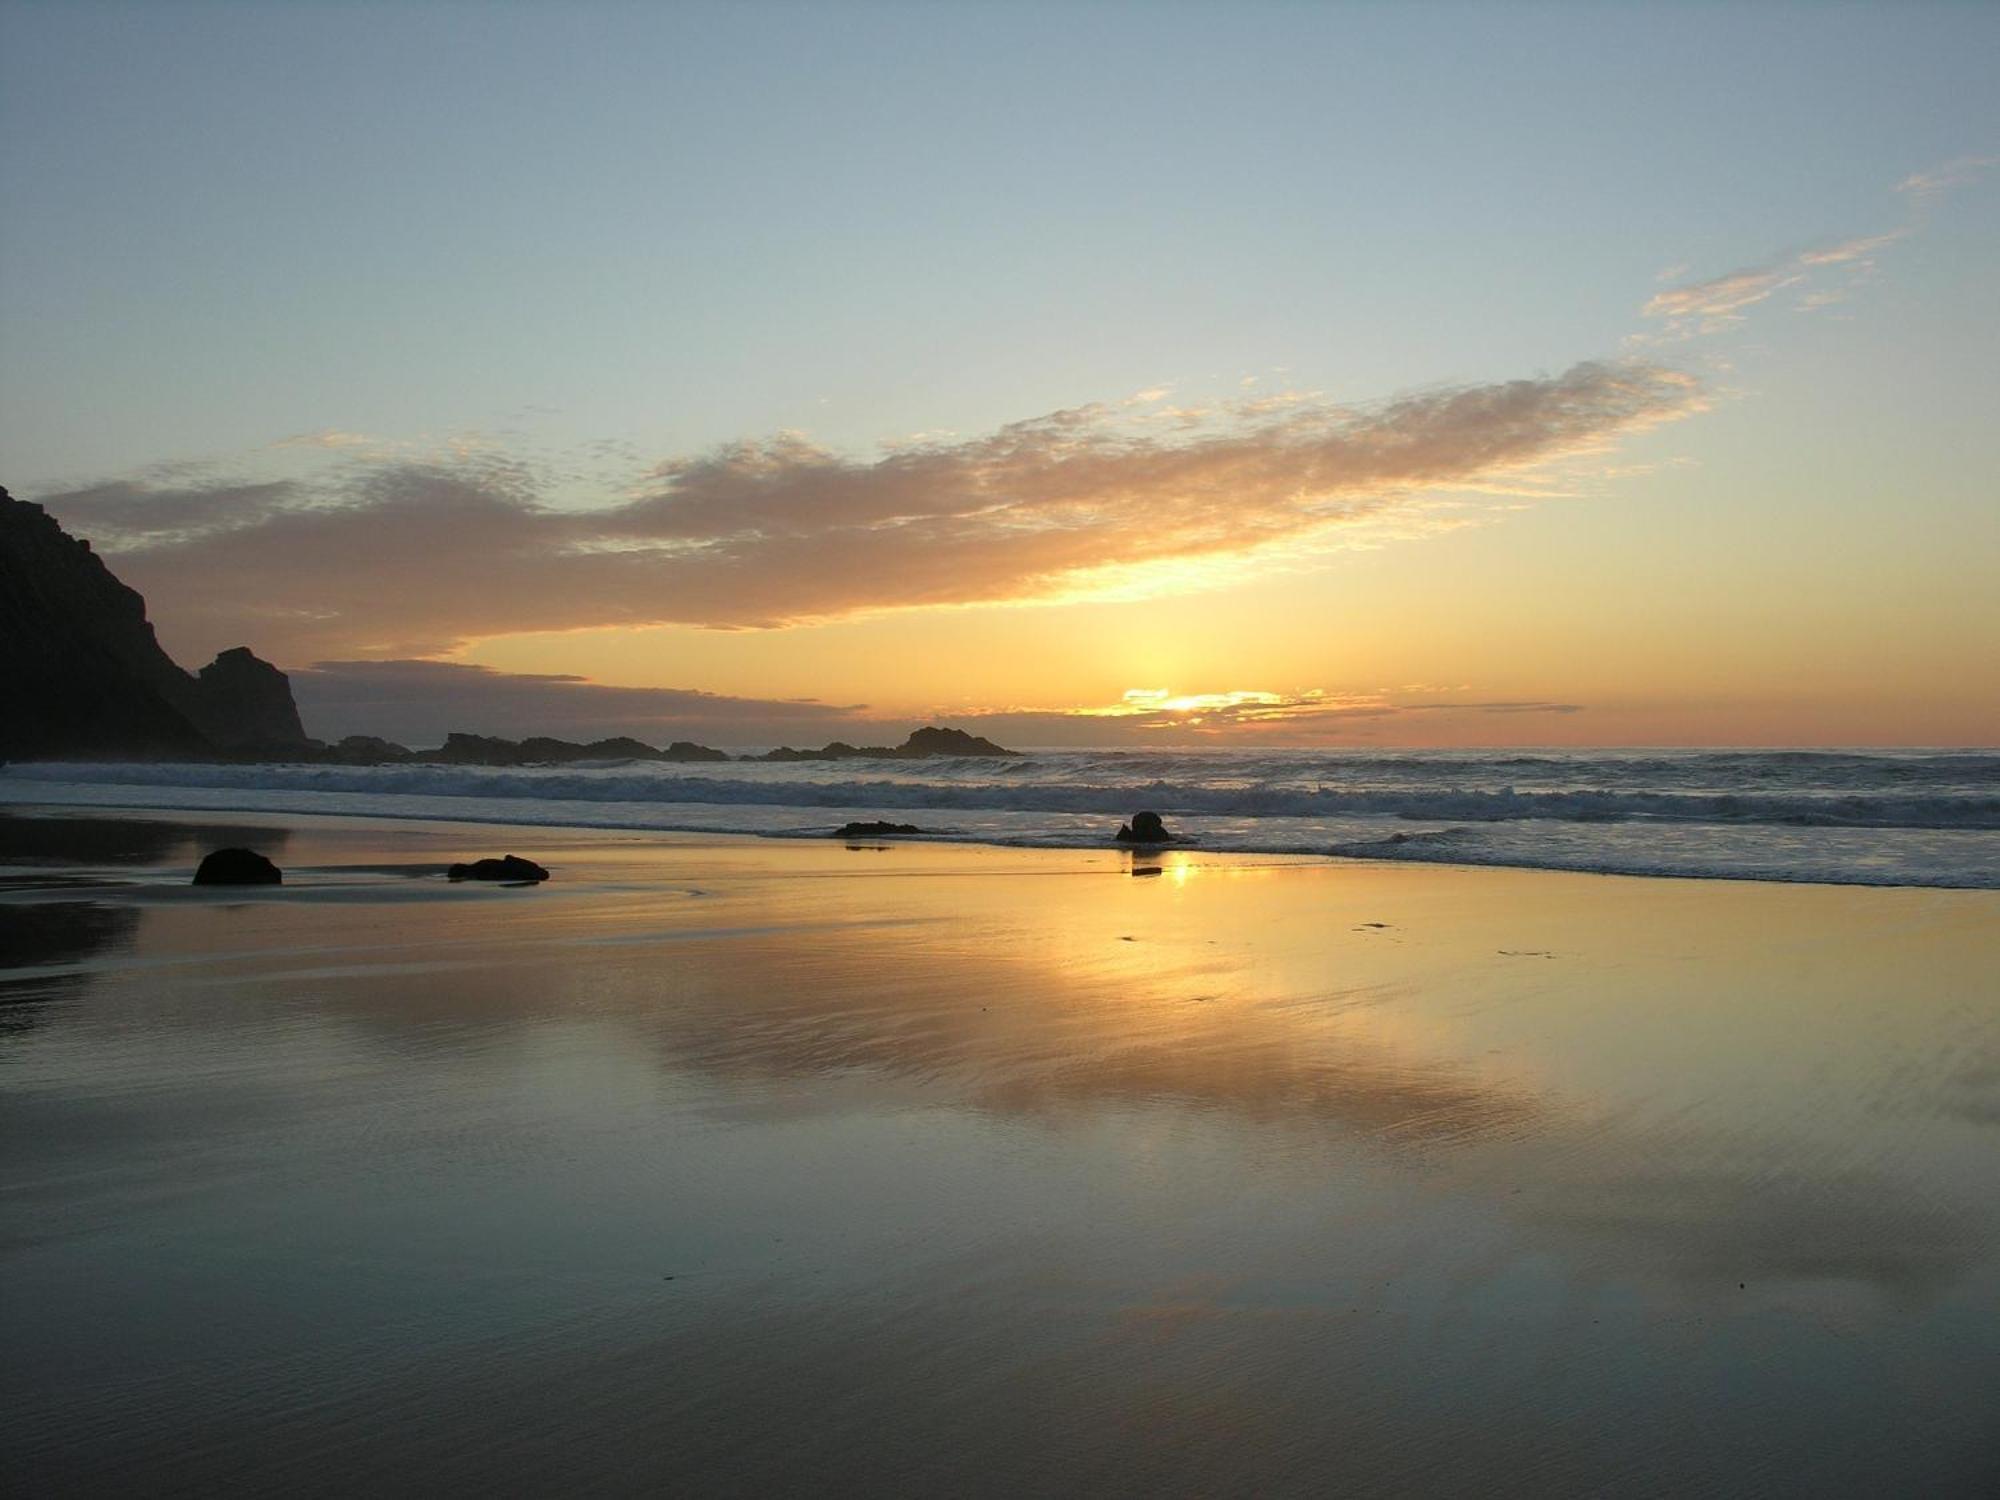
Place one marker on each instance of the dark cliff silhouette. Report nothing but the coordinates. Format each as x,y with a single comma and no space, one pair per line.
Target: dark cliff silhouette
83,675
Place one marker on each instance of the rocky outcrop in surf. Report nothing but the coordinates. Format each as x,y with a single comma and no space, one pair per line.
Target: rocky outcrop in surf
1145,828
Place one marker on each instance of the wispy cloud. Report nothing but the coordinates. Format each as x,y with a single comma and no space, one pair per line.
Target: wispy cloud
1518,706
1718,303
388,557
1928,186
1315,715
1860,248
418,702
1721,302
328,437
1162,708
126,513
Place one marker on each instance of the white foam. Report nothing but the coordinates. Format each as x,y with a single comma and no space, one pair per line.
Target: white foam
1926,818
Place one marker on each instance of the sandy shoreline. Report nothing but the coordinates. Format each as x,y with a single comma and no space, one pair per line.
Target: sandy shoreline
734,1164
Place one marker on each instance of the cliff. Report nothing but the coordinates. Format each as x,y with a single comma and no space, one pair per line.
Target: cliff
82,674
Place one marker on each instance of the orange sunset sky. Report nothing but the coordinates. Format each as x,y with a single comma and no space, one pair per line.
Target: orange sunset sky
1417,376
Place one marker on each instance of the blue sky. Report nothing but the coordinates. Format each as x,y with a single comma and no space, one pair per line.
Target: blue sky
687,224
600,236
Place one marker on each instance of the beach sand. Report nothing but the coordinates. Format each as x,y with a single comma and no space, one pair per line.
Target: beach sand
735,1166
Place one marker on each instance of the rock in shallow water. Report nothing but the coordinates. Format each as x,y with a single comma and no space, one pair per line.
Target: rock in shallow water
237,867
1145,828
508,867
874,830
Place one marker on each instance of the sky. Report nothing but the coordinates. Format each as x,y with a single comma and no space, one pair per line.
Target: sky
1085,374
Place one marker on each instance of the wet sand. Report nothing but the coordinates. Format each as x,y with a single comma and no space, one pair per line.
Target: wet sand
747,1167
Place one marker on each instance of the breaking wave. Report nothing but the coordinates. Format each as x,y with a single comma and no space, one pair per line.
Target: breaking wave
1884,817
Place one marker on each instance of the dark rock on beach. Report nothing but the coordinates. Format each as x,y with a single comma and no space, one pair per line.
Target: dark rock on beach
237,867
874,830
507,867
1145,828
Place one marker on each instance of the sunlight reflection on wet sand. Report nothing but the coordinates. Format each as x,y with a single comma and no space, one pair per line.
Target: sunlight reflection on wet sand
742,1165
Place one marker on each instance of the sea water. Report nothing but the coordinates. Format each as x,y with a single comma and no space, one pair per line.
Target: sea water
1882,817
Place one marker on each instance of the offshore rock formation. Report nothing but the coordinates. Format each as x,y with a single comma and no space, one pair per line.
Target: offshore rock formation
921,745
491,750
931,740
367,750
82,674
243,703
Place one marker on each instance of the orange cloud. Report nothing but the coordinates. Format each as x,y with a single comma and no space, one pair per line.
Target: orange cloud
397,558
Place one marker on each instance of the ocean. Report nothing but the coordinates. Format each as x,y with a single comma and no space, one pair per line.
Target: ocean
1875,817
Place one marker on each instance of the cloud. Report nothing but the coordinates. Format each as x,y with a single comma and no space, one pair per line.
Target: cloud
1721,302
386,557
1158,716
1850,250
1927,187
327,437
1220,713
1526,706
122,514
419,702
1712,305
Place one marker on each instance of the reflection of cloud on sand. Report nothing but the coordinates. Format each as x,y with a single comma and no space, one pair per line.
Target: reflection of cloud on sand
808,982
1709,1224
1071,1042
